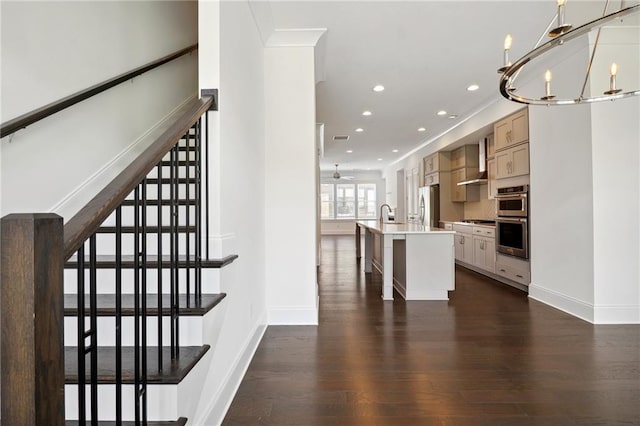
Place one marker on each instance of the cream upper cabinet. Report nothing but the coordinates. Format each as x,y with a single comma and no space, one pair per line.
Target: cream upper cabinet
431,164
432,179
512,162
491,146
491,179
512,130
465,156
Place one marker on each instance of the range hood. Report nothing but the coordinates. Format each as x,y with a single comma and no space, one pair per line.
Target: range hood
481,177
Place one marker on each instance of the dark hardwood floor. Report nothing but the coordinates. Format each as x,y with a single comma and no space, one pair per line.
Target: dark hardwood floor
488,356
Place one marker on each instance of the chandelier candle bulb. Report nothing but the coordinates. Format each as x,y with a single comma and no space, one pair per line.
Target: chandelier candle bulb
547,83
612,80
507,47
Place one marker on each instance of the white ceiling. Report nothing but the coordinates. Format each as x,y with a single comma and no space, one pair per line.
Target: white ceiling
425,53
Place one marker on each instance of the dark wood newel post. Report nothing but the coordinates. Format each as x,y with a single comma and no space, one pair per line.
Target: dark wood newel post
32,319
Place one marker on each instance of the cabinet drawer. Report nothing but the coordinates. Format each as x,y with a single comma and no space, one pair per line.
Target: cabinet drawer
463,229
514,274
484,231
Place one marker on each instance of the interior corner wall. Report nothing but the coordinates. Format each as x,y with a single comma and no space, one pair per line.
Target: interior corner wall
53,49
616,209
290,182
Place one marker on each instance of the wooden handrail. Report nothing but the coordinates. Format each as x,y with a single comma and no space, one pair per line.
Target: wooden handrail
36,115
86,221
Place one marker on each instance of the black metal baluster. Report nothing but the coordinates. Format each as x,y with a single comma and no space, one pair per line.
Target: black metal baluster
82,402
143,254
119,315
206,181
187,166
198,188
173,249
93,320
160,265
136,302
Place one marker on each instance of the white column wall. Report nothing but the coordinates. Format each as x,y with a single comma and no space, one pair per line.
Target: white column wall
290,217
615,129
233,62
53,49
561,213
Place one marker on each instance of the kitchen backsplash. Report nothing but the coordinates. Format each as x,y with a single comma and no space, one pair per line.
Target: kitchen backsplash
483,209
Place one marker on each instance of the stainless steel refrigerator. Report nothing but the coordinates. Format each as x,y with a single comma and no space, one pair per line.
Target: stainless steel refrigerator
430,205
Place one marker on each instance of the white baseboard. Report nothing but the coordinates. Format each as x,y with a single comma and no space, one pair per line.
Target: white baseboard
220,403
616,314
562,302
293,315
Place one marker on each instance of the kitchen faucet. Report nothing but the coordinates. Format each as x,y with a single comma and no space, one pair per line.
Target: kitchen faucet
390,211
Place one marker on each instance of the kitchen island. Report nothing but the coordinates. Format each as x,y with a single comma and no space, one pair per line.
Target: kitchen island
417,260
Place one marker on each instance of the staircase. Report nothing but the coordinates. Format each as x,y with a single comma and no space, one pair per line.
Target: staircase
140,293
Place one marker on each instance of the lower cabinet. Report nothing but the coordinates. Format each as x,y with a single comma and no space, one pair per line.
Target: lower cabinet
463,243
484,253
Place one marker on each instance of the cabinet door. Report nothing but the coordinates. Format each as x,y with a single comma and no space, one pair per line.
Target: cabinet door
501,131
503,164
478,252
519,127
490,254
432,179
491,179
520,160
459,239
467,255
457,192
491,146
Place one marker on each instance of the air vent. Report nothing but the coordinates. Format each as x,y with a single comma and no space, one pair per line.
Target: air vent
341,138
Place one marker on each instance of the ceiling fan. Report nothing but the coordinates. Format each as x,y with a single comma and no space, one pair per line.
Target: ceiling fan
337,175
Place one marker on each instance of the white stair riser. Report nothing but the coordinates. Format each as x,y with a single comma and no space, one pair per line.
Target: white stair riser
162,402
190,331
106,244
106,281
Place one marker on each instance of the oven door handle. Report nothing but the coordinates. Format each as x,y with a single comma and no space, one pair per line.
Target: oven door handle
512,220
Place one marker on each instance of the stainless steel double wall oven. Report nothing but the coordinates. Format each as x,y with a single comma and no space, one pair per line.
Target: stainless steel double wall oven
512,221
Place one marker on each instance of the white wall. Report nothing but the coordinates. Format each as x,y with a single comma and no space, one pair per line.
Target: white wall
290,184
561,213
236,67
615,129
53,49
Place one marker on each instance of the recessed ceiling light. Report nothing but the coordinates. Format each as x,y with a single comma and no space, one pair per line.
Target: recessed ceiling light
395,150
349,151
378,88
473,88
379,159
442,112
453,116
421,129
359,130
366,113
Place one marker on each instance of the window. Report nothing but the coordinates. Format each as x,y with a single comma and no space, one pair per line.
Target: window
348,201
326,201
345,201
367,200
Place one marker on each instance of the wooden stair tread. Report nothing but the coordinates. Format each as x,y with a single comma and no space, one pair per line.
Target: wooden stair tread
166,181
173,370
106,304
107,261
180,422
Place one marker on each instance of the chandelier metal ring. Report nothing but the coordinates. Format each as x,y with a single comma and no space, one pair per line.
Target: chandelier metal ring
506,88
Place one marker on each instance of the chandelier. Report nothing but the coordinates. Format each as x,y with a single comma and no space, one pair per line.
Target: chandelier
626,18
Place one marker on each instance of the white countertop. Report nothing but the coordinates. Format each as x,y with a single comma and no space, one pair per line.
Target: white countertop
401,228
